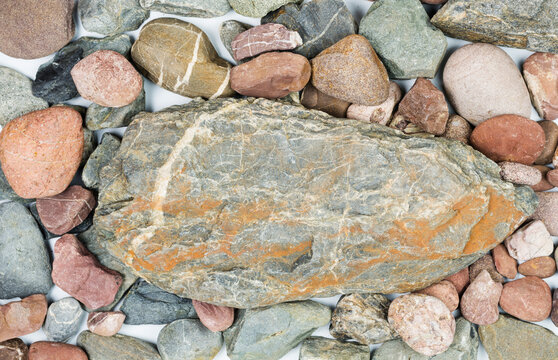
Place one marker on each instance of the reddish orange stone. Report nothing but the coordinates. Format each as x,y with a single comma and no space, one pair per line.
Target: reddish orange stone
20,318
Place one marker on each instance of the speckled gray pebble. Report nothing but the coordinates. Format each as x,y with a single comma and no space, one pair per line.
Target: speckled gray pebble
102,155
319,348
188,339
228,30
63,319
16,98
117,347
110,17
520,174
99,117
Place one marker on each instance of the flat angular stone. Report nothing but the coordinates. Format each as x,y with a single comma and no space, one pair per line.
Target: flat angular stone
445,291
271,227
100,117
24,258
147,304
380,114
270,332
313,98
362,317
509,338
188,339
110,17
527,299
99,158
117,347
258,8
540,72
479,303
194,8
228,31
530,241
215,318
514,23
319,348
320,23
406,42
63,319
14,349
264,38
46,350
105,323
16,97
192,70
19,318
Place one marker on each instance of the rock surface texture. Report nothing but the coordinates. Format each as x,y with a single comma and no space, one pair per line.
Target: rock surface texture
479,303
313,98
110,17
527,299
547,212
14,349
319,348
258,8
16,97
188,339
46,350
215,318
102,155
105,323
19,318
195,8
117,347
101,117
380,114
516,23
63,319
324,224
540,71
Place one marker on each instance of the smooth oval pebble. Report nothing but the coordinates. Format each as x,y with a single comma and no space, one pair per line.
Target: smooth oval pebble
445,291
509,138
505,264
215,318
423,322
542,267
520,174
46,350
479,303
527,299
105,323
107,78
40,152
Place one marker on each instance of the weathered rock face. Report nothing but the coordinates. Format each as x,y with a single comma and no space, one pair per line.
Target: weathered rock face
249,202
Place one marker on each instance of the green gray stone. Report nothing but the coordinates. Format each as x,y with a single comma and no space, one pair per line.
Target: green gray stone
116,347
111,17
99,117
401,34
63,319
271,332
188,339
194,8
516,23
89,143
100,157
16,98
510,339
464,347
228,30
258,8
319,348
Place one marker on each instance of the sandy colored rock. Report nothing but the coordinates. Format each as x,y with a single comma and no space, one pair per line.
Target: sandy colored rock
460,279
423,322
509,138
380,114
41,151
482,81
543,267
520,174
544,184
264,38
350,70
457,128
312,98
179,57
14,349
505,264
540,71
271,75
105,323
551,136
19,318
484,263
445,291
530,241
46,350
527,299
547,212
552,177
215,318
479,303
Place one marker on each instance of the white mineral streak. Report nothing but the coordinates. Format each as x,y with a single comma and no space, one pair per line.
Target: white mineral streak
223,85
186,78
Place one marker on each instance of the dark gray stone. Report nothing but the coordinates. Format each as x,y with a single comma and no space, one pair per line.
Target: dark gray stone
320,23
63,319
110,17
228,30
188,339
102,155
250,202
24,259
195,8
319,348
86,224
117,347
99,117
270,332
147,304
89,144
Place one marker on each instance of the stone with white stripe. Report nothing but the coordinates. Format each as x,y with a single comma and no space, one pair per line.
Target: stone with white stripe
63,319
264,38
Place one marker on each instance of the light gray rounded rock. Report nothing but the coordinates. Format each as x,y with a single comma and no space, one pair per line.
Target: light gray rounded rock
16,97
228,30
100,117
188,339
63,319
110,17
101,156
194,8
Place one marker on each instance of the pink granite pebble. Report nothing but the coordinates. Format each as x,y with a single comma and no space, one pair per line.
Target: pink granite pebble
479,303
105,323
547,212
527,299
264,38
530,241
445,291
520,174
460,279
215,318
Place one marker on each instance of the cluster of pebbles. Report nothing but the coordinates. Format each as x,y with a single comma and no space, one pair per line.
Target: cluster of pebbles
338,66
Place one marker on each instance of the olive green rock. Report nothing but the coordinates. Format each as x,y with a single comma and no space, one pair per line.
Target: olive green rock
516,23
16,97
179,57
258,8
188,339
319,348
401,34
510,339
116,347
100,117
89,143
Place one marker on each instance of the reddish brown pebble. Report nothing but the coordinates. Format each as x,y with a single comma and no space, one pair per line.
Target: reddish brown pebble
19,318
505,264
509,138
107,78
554,312
350,70
13,349
527,299
264,38
542,267
76,271
458,129
479,303
380,114
519,174
423,322
543,185
215,318
105,323
460,279
312,98
484,263
552,177
46,350
551,141
424,105
61,213
40,152
541,74
445,291
547,212
271,75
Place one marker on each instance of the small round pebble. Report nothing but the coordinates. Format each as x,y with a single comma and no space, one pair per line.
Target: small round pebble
63,319
479,303
215,318
457,128
107,78
552,177
14,349
445,291
530,241
423,322
527,299
520,174
460,279
542,267
105,323
544,184
505,264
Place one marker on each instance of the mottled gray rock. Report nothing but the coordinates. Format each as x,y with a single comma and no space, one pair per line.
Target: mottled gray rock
24,260
110,17
188,339
16,98
464,347
406,42
223,201
91,242
516,23
86,224
510,338
99,158
362,317
320,23
63,319
270,332
228,30
99,117
89,144
258,8
147,304
117,347
195,8
319,348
